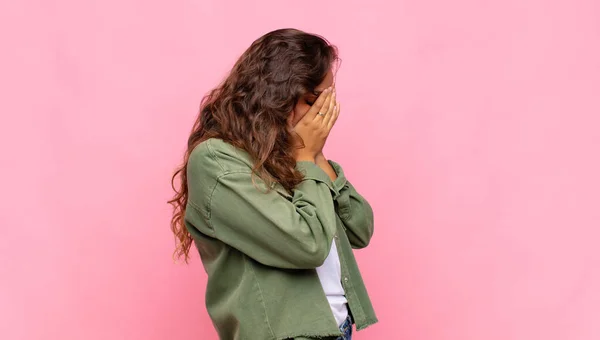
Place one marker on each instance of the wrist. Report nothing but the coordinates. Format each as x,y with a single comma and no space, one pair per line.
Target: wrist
323,163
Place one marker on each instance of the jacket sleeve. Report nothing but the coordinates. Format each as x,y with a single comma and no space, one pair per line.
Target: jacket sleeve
294,233
353,209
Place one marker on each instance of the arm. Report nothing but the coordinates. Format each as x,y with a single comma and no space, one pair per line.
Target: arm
353,209
268,227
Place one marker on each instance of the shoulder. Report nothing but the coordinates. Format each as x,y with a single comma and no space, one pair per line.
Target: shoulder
214,157
210,161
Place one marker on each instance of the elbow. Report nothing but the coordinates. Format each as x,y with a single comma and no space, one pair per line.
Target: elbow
363,239
314,257
361,243
316,260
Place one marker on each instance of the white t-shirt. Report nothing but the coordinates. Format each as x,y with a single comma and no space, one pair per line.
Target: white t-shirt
330,275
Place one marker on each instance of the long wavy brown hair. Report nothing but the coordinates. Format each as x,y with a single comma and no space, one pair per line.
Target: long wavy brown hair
250,110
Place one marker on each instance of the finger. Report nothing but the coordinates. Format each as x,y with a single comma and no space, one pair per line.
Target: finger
334,117
323,111
329,112
316,107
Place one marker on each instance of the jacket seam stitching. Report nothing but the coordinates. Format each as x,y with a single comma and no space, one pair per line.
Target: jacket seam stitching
199,211
210,203
212,154
358,303
212,193
262,301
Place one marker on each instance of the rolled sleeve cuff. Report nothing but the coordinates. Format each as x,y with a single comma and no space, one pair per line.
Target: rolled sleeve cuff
312,171
340,186
341,181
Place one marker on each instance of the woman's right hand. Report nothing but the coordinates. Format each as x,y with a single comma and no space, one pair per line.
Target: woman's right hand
313,129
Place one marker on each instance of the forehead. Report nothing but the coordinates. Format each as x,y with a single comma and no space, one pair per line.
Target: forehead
327,82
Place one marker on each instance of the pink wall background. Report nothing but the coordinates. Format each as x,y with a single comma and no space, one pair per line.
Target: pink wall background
472,126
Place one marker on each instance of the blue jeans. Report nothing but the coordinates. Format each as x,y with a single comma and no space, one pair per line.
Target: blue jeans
346,329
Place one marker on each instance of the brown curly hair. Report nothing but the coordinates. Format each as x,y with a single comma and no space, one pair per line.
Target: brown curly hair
250,108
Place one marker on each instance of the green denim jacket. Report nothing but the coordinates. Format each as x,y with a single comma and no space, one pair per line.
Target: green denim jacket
260,248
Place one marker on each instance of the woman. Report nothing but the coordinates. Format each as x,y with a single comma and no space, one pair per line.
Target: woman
273,219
